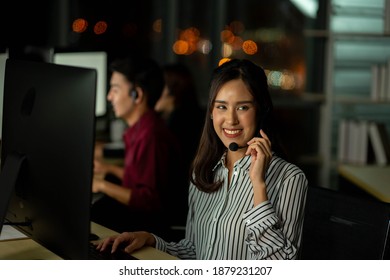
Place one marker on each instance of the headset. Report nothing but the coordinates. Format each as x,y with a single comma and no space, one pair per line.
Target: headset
134,94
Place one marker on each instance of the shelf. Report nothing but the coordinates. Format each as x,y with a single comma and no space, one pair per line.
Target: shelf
360,35
365,51
359,100
348,15
369,9
357,40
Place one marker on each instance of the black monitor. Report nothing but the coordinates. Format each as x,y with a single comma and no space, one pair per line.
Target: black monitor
47,153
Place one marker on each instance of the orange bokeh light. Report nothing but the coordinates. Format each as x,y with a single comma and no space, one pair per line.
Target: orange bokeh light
249,47
79,25
100,27
157,26
180,47
237,43
187,43
237,27
227,36
223,60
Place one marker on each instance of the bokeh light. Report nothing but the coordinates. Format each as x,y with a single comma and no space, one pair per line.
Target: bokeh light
205,46
227,36
187,42
180,47
100,27
157,26
227,50
249,47
79,25
237,27
223,60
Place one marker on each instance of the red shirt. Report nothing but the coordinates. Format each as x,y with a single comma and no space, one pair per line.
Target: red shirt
149,150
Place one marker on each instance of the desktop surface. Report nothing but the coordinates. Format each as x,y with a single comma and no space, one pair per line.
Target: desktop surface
28,249
373,179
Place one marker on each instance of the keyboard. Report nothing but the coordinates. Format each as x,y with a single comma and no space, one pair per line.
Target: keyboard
95,254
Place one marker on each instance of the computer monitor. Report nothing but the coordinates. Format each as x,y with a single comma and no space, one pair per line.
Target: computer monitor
96,60
47,153
3,58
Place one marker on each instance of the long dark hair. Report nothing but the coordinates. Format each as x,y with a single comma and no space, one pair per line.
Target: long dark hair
210,147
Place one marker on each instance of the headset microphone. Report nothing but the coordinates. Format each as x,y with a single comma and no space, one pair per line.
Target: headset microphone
234,147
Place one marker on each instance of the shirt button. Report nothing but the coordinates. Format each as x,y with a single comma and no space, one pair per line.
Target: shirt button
248,222
235,173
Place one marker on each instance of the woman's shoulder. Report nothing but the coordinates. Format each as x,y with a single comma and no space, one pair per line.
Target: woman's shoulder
289,169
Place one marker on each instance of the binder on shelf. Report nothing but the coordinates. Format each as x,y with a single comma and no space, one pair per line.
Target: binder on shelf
375,90
342,155
353,141
362,147
387,94
382,82
386,19
379,140
363,142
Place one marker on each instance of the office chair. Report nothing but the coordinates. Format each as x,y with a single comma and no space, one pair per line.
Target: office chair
339,226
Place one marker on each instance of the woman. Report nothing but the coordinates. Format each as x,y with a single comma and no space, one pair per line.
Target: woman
244,203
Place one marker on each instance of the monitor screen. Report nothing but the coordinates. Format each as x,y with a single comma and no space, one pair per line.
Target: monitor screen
95,60
47,153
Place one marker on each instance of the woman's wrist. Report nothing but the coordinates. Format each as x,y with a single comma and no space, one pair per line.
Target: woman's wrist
150,241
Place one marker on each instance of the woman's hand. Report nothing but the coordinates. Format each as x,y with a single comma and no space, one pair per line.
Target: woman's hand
260,150
129,241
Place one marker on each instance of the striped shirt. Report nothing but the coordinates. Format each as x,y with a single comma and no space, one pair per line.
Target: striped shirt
225,225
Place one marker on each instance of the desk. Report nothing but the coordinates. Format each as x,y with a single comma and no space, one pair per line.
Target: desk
28,249
373,179
146,253
25,249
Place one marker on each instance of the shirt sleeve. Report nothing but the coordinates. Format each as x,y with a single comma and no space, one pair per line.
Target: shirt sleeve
144,171
274,231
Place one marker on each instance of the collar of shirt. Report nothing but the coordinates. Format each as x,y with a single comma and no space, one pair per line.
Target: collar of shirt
243,163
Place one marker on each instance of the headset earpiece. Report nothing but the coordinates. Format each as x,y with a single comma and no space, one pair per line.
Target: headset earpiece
134,94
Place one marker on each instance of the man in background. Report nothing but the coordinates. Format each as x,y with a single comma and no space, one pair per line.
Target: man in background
152,156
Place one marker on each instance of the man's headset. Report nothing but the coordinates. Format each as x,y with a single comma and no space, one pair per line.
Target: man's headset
134,94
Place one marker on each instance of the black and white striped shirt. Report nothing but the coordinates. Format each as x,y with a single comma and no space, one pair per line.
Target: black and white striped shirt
224,225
